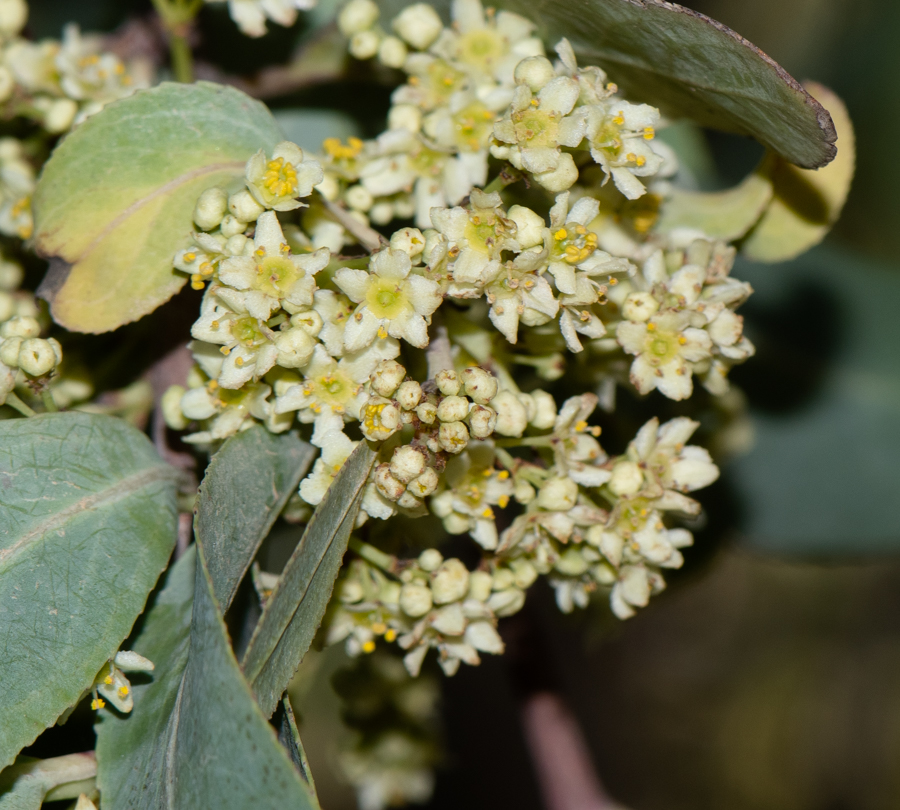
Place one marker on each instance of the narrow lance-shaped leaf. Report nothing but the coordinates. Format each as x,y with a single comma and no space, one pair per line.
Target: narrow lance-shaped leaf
114,202
289,735
687,65
294,610
87,522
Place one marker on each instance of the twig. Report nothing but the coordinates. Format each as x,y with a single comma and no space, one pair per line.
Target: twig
438,351
368,237
14,402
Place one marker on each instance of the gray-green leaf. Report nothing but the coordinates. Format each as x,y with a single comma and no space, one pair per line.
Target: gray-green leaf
28,783
293,612
87,523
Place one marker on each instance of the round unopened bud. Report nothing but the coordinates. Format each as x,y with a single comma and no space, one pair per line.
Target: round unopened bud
350,591
244,207
480,584
534,72
405,206
427,412
60,114
544,410
170,404
237,245
558,495
9,351
528,404
232,226
571,563
358,198
329,188
7,306
480,385
295,347
639,306
455,523
57,349
408,395
425,484
211,208
447,383
11,275
523,491
381,213
198,404
430,559
627,478
36,357
308,320
524,572
506,602
562,177
356,16
21,326
392,52
434,240
511,417
409,501
415,600
453,436
13,14
409,240
453,409
408,462
503,578
7,83
450,582
419,25
482,421
529,225
449,620
364,45
380,419
386,484
405,116
387,377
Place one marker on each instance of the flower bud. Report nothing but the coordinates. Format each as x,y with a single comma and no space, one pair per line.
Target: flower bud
419,25
408,462
627,478
392,52
295,347
57,349
170,403
405,116
482,421
534,72
211,209
387,377
364,45
524,573
386,484
480,584
503,578
356,16
639,306
237,245
36,357
60,114
483,636
506,602
381,213
544,410
447,383
232,226
430,559
13,14
408,395
528,404
562,177
329,188
453,409
558,495
453,436
480,385
427,412
380,419
409,501
198,404
11,275
309,321
129,661
571,563
511,418
425,484
409,240
244,207
415,600
529,225
523,491
350,591
358,198
20,326
449,620
450,582
9,351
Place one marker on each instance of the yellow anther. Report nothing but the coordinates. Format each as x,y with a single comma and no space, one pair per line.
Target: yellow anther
108,680
197,285
488,513
613,281
97,703
239,362
260,251
226,350
379,628
368,647
382,332
503,475
123,691
503,501
390,635
534,102
560,234
651,327
631,157
206,269
640,160
619,119
212,385
649,133
580,426
214,325
682,339
612,87
189,257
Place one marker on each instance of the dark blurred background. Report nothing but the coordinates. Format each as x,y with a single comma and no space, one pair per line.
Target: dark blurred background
768,676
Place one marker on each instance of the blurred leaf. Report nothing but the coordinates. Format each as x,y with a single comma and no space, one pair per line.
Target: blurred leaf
687,65
246,486
25,785
289,735
308,128
293,611
724,215
114,202
806,202
87,523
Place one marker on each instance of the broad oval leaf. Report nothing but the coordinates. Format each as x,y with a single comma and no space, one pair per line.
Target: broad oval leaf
294,610
687,65
806,203
30,782
114,202
87,523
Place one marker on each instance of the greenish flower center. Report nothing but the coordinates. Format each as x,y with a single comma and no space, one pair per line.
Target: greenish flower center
386,299
481,48
661,347
246,331
535,128
276,276
334,389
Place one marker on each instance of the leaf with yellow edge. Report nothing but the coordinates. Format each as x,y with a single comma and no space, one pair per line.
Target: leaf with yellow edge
114,202
806,203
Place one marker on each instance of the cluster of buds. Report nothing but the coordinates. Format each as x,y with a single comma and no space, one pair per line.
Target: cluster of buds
22,347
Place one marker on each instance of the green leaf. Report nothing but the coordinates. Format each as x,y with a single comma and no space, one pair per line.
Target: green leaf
687,65
25,785
806,202
246,486
87,523
289,736
115,200
724,215
294,610
199,707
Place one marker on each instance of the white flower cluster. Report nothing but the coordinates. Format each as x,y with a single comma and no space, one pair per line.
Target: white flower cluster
251,15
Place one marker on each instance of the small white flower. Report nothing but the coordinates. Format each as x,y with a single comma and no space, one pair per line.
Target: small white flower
278,182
